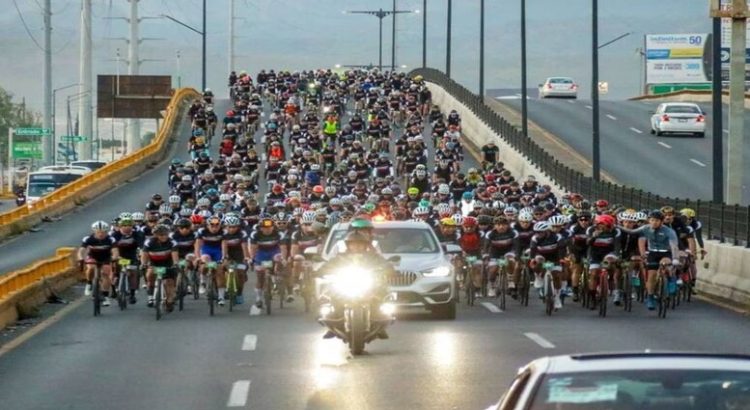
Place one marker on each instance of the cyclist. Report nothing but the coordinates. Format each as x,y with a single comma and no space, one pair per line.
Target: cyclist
502,242
184,239
265,246
658,242
551,248
128,241
208,249
302,238
98,250
235,251
160,251
604,244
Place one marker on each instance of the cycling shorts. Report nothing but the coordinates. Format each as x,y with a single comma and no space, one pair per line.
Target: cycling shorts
264,255
214,252
652,263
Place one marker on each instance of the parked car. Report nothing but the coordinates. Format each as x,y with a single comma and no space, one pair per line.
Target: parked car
682,118
627,381
558,87
425,279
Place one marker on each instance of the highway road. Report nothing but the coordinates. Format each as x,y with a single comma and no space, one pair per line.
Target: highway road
189,360
674,166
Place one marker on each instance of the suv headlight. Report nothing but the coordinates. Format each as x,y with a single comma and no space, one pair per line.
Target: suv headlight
437,272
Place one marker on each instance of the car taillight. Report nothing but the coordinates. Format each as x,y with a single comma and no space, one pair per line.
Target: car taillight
700,118
549,86
665,118
573,86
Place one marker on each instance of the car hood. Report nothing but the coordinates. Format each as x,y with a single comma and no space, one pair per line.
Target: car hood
417,262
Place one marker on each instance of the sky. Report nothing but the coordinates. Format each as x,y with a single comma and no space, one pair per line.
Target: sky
303,34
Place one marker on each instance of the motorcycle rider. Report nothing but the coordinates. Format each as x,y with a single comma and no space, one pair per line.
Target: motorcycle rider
359,251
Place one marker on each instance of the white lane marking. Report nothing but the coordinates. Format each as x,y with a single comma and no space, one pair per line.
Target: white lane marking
239,393
571,101
249,343
726,131
664,145
636,130
612,117
696,162
492,307
589,107
540,340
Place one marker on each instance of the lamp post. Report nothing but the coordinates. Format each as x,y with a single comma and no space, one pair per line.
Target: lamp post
595,90
424,33
524,97
380,14
203,41
481,50
448,40
54,101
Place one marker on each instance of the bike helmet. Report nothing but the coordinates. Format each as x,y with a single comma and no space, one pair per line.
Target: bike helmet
607,220
204,202
420,211
308,217
161,229
100,226
186,212
448,222
468,196
232,220
225,197
125,215
330,190
174,199
656,214
138,216
510,211
469,221
318,189
165,209
558,220
184,223
443,209
458,218
602,203
641,216
541,227
361,223
667,210
443,189
525,217
413,191
687,212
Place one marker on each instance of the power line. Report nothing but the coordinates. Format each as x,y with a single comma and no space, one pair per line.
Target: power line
26,27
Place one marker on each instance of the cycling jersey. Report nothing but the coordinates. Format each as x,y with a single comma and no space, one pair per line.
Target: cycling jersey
234,243
304,240
99,250
603,244
185,244
127,245
499,244
471,243
211,245
268,245
159,253
551,247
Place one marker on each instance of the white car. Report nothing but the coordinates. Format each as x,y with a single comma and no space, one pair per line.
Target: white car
673,117
425,279
631,381
558,87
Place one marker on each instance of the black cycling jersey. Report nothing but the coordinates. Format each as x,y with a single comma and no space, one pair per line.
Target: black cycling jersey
100,250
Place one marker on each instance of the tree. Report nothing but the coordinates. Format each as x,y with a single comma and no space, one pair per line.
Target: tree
13,115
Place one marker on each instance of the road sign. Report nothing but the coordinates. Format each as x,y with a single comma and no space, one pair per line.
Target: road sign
73,138
27,149
32,131
603,87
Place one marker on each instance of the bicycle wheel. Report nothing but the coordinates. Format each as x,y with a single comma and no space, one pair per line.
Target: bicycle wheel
268,293
627,291
231,289
122,290
157,299
281,288
525,287
549,301
663,294
603,294
195,282
503,288
210,293
96,292
181,289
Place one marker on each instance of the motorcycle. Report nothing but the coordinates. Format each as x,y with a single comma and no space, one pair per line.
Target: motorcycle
346,308
20,198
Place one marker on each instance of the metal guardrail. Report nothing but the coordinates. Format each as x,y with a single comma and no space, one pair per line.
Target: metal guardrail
46,268
68,191
726,223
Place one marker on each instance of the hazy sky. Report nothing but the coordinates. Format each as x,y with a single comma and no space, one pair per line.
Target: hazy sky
297,34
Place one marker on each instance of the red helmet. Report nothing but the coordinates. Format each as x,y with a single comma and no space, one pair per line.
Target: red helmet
469,221
318,189
489,178
230,113
602,203
277,188
491,190
196,219
607,220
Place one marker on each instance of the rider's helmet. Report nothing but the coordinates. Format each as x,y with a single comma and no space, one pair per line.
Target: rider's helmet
541,227
100,226
687,212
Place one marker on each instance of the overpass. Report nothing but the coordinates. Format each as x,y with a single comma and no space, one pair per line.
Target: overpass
191,360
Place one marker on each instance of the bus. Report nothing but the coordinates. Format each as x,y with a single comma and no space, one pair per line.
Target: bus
47,179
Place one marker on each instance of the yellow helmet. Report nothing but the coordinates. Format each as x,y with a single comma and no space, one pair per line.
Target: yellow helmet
418,78
448,222
688,212
667,209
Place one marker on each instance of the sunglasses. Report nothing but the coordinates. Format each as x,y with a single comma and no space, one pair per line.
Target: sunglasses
214,224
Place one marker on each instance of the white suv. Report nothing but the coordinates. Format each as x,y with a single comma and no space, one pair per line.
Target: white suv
425,278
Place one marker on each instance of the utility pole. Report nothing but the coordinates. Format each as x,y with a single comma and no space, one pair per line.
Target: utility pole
134,137
203,49
424,33
85,83
380,14
48,153
393,38
179,71
448,40
524,85
231,36
481,51
595,88
718,140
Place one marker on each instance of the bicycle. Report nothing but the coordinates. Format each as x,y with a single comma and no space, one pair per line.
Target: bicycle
627,285
159,272
583,288
211,290
232,287
524,285
662,287
549,288
602,290
501,289
469,279
268,284
182,284
96,293
123,282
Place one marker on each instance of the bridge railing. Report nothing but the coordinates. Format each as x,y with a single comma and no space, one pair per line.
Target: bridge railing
726,223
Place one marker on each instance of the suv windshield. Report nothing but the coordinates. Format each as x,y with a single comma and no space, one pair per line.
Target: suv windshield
681,109
639,389
396,240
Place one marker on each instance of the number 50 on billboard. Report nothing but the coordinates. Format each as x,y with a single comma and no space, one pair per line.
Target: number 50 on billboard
676,58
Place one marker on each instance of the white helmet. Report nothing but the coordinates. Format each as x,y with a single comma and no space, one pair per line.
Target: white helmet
174,199
308,217
558,220
165,209
225,197
444,189
541,227
204,202
420,210
100,226
525,217
138,216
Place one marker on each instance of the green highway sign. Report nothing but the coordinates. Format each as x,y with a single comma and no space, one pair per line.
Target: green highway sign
27,149
74,138
33,131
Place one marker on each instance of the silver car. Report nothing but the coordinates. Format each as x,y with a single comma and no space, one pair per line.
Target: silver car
675,117
425,279
558,87
627,381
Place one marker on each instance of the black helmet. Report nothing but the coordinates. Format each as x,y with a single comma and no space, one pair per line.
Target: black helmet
183,223
656,214
161,229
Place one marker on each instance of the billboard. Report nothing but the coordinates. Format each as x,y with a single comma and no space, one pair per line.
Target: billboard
132,96
677,58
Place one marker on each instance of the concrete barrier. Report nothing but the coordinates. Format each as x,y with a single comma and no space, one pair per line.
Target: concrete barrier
727,276
479,133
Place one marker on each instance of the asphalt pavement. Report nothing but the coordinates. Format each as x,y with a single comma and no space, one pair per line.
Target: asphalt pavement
245,359
675,165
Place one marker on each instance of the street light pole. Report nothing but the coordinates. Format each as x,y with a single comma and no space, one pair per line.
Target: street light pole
203,35
595,88
393,38
381,14
481,50
718,140
424,33
448,41
524,96
54,123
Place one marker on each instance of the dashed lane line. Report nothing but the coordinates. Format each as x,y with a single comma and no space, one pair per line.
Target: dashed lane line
636,130
249,343
611,117
492,307
667,146
544,343
696,162
239,394
589,107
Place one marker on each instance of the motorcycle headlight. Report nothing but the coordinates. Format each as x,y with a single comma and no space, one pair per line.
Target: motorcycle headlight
352,282
440,271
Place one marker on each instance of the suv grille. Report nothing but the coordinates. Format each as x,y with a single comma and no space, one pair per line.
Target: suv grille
404,278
